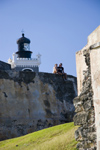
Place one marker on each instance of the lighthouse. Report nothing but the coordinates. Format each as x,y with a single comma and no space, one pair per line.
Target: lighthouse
21,60
23,47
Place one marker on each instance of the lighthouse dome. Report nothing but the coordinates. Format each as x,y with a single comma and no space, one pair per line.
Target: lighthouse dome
23,40
23,47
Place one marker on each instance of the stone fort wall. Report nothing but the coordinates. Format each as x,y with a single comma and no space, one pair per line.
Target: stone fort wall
87,104
32,101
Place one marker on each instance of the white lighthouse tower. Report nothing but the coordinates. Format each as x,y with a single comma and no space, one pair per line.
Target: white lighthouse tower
22,60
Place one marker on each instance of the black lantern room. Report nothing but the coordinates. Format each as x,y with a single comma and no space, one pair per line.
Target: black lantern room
23,47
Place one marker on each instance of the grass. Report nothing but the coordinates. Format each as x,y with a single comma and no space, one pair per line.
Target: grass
59,137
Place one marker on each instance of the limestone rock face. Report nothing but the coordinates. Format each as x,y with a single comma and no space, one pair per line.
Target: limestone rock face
31,101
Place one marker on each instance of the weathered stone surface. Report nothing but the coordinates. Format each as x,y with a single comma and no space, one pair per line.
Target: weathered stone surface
80,118
87,105
91,71
30,102
91,136
78,104
78,134
84,108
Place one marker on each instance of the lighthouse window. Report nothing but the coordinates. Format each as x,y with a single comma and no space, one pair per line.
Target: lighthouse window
26,47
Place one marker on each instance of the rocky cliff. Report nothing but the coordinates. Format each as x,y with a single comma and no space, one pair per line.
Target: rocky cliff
32,101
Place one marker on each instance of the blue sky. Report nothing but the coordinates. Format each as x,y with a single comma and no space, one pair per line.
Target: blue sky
57,29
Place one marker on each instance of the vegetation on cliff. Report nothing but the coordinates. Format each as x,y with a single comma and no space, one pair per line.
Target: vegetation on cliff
59,137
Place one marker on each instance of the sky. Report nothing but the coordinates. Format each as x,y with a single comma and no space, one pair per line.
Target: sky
57,29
